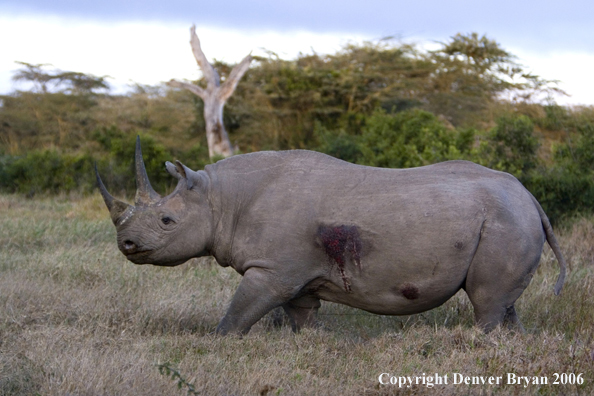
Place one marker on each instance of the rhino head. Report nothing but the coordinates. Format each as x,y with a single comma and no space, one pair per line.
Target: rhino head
159,230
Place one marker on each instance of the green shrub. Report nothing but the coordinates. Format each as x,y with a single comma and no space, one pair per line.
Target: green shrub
561,192
51,171
116,166
46,171
556,118
511,146
567,188
195,158
578,153
338,144
411,138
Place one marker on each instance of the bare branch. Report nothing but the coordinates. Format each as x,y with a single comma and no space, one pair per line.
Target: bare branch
231,83
190,87
214,97
209,73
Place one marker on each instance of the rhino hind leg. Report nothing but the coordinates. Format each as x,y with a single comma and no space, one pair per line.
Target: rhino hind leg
500,271
512,320
488,318
302,312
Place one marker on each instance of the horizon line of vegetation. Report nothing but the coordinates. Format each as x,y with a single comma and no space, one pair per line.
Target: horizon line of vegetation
381,104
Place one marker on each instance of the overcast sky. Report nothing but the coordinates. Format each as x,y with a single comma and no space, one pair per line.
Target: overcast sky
147,41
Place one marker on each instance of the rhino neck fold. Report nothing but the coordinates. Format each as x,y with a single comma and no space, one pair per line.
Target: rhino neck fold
226,212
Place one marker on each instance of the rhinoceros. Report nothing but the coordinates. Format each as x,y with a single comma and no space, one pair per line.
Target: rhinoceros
301,227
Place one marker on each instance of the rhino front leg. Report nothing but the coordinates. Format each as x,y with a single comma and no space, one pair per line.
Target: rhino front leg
258,293
302,311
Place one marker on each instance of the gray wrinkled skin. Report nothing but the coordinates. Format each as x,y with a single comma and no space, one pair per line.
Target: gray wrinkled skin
302,227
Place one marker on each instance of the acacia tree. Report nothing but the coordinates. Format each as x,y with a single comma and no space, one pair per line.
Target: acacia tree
57,109
214,96
65,82
472,73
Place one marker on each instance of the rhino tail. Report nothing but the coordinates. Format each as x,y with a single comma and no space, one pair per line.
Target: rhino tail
546,225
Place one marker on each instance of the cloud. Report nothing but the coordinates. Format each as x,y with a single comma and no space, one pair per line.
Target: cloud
540,25
140,52
147,41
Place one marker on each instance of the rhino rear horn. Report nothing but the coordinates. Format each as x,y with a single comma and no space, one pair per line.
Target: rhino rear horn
145,195
116,207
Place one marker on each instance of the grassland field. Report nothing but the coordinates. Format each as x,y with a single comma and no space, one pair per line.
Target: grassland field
76,318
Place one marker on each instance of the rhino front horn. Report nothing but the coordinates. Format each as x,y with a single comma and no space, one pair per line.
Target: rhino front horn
145,195
116,207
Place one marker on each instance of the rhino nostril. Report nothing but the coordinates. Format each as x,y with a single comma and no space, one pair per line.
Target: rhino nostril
129,245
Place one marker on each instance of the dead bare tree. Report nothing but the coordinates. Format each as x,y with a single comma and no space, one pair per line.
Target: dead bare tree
214,96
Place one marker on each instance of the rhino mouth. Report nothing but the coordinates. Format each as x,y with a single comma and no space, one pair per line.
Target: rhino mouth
143,257
132,249
139,256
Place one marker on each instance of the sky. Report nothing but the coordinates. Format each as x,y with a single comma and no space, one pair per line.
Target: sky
147,42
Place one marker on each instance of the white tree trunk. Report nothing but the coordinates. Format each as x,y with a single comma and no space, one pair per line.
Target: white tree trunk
214,96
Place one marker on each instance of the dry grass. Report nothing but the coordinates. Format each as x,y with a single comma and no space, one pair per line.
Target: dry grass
77,319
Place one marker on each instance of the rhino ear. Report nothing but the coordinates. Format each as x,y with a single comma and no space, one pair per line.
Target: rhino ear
172,169
181,172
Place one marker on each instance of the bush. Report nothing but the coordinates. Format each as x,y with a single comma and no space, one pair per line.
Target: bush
121,163
411,138
567,188
511,146
338,144
46,171
50,171
578,154
561,192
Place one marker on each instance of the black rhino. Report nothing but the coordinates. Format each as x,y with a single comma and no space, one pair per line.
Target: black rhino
301,227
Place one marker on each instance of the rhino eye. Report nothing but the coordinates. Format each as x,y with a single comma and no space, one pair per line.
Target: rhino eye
166,220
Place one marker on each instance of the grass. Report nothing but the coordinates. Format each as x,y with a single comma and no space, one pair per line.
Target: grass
77,319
